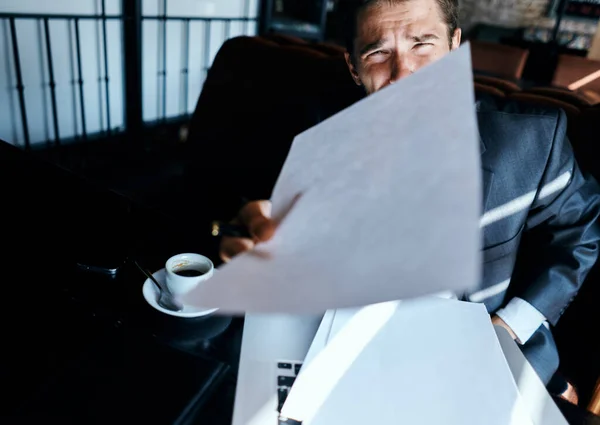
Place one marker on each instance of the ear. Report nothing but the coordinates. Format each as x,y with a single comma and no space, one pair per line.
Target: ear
456,39
352,69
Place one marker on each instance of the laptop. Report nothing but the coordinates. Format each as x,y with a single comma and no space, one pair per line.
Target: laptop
273,350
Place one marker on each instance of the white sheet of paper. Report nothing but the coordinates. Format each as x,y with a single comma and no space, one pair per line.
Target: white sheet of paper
536,398
428,361
379,202
335,320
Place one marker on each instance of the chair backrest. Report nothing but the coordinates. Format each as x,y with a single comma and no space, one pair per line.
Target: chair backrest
284,39
593,97
330,49
575,73
258,95
575,98
571,110
504,85
498,59
483,88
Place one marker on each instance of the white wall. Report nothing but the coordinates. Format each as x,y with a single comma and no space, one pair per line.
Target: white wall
34,68
152,49
33,59
59,6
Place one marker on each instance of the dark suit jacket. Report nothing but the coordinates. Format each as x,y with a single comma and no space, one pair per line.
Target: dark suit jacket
540,230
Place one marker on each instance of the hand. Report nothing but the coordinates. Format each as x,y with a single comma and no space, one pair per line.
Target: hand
497,321
256,216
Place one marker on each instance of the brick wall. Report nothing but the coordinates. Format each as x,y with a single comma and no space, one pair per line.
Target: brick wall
516,13
510,13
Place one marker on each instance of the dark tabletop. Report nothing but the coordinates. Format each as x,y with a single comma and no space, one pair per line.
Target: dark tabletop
85,348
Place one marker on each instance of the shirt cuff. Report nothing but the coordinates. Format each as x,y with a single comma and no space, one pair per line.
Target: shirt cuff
523,318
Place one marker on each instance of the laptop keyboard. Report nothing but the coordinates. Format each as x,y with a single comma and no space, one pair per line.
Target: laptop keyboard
287,371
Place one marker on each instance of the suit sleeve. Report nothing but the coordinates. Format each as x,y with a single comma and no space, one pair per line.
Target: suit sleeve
564,223
523,318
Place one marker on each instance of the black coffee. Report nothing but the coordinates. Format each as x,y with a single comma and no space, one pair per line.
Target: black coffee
189,272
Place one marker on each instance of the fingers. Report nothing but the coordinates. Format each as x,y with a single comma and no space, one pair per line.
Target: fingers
230,247
256,216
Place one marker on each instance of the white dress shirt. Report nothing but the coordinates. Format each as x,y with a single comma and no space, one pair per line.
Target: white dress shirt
523,318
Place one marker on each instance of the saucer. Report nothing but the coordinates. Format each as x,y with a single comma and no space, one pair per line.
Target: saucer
150,293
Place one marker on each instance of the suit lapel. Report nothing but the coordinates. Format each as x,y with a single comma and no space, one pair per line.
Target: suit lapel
487,177
487,174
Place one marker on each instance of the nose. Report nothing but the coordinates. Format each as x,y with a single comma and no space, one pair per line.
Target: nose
401,67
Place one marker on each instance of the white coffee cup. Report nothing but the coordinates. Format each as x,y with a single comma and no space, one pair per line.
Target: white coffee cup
186,271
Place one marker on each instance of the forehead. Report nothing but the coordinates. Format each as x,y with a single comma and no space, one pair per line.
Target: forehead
407,17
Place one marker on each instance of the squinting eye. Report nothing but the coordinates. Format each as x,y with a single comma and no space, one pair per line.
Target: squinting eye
422,45
378,52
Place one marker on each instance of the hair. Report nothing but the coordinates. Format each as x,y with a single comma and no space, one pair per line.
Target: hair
350,9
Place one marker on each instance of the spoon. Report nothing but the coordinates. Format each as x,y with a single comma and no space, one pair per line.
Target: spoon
165,298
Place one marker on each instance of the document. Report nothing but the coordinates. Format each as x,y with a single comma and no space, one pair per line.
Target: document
536,398
427,361
380,202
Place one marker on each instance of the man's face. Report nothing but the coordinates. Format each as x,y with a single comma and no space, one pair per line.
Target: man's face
396,39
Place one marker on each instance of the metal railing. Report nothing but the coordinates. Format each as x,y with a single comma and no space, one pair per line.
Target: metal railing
133,98
185,41
73,20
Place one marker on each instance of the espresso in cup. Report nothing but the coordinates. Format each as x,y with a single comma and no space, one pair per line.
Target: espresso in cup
186,271
189,272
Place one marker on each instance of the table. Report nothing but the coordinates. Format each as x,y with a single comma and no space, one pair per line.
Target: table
81,348
85,348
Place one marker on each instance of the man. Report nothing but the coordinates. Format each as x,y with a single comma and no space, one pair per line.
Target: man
536,202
